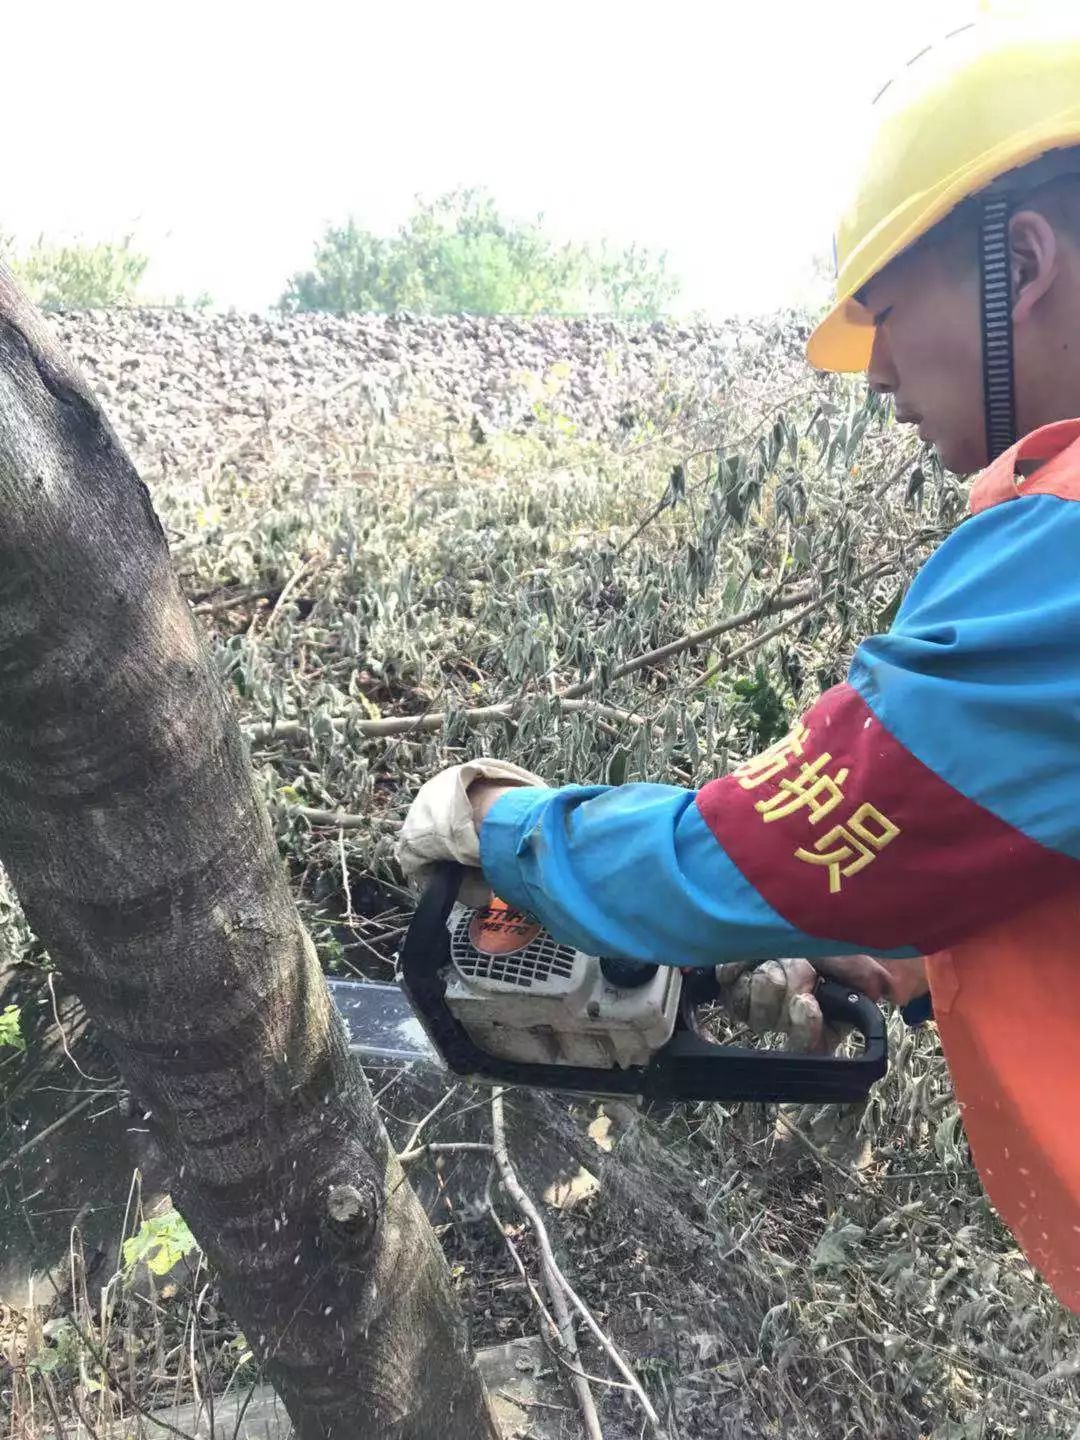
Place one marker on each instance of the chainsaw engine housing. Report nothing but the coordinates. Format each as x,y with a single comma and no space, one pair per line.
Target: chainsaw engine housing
523,996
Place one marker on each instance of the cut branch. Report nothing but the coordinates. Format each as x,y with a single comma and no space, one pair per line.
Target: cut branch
553,1273
569,698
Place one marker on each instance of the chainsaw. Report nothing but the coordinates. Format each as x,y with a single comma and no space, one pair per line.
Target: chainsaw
489,994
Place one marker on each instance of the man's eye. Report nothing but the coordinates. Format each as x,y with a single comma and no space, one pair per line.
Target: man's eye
882,316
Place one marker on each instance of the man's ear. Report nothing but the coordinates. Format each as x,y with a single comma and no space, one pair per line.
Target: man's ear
1034,256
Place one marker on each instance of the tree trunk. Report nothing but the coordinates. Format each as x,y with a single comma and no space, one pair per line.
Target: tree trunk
134,835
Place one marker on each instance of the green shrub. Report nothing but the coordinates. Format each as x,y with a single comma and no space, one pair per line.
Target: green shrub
78,276
457,254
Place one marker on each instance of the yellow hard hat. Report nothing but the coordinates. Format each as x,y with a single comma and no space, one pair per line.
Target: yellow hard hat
981,102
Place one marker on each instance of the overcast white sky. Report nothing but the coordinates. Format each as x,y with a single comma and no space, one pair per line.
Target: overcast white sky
227,135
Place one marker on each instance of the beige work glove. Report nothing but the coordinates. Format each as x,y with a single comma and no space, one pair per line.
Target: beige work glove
776,997
440,825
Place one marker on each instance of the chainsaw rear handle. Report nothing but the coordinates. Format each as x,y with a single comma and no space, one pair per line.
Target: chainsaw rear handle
740,1073
689,1067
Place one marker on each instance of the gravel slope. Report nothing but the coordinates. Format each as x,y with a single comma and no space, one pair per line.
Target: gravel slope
175,382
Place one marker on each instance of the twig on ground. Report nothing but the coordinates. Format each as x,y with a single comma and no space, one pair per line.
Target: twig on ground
875,572
759,641
231,602
428,722
438,1147
339,819
515,1255
908,463
314,564
664,503
530,1404
345,874
772,605
360,943
559,1324
553,1274
94,1079
569,698
422,1124
378,729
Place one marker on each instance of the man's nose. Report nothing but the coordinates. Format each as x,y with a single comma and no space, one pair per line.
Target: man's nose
881,373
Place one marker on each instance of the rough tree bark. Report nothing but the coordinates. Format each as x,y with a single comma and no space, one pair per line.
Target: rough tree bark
133,833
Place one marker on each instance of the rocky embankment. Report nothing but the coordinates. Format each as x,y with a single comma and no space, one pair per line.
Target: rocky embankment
176,382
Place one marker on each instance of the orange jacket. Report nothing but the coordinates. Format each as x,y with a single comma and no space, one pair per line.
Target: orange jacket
1012,1055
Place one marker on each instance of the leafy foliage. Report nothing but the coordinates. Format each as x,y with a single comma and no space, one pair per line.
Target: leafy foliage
78,276
63,1350
161,1242
459,254
201,300
10,1031
767,718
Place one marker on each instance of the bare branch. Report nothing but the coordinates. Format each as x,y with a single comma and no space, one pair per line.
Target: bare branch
558,1281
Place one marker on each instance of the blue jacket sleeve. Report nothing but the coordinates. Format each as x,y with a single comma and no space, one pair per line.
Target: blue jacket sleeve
951,761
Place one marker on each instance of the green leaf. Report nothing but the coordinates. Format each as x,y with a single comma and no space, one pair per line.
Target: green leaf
44,1362
617,766
948,1137
10,1031
161,1242
81,276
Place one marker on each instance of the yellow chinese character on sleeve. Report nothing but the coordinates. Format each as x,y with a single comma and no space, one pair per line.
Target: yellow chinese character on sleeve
811,789
770,762
847,849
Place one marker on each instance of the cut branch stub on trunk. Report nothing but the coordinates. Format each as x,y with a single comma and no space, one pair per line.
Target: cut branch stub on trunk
134,835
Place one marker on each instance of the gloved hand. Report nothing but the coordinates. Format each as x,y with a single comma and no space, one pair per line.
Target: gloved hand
440,825
777,995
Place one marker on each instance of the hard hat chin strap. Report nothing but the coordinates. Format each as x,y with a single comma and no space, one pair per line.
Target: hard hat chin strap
995,273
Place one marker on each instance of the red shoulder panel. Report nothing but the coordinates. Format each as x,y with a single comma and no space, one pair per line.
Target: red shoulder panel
851,837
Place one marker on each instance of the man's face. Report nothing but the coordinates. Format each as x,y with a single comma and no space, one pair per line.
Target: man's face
928,352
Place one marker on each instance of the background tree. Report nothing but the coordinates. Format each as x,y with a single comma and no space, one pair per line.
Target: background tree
77,276
459,254
131,828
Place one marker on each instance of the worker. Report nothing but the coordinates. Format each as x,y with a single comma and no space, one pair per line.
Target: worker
929,806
